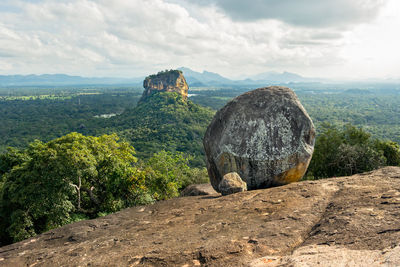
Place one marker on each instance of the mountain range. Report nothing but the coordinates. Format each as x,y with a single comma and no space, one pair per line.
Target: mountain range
206,78
193,78
63,80
198,79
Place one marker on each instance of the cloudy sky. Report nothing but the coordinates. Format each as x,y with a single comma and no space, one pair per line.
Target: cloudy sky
129,38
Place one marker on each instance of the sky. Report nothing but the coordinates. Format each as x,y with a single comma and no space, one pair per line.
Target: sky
351,39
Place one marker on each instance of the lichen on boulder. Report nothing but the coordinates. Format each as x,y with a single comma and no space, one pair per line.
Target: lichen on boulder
264,135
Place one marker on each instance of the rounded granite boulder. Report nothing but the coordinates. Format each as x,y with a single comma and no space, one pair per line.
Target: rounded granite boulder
231,183
264,135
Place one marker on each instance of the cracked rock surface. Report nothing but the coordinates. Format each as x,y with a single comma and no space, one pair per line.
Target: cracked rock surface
353,221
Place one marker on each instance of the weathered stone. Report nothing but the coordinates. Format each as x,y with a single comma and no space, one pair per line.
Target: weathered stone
231,183
264,135
165,81
328,222
332,256
198,190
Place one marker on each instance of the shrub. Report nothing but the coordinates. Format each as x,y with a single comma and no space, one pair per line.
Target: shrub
341,152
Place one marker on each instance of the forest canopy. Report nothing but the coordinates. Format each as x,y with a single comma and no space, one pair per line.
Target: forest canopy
350,150
77,177
68,177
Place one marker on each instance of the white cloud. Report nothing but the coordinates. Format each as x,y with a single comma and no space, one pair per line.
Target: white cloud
372,50
138,37
310,13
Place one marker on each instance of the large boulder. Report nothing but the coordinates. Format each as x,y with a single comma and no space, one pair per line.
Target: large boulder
165,81
264,135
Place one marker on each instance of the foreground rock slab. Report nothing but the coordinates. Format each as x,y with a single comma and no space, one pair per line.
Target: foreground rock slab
333,256
281,226
264,135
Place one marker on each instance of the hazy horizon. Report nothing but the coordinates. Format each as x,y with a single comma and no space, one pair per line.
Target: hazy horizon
324,39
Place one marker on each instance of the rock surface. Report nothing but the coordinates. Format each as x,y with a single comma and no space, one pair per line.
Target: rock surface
198,190
165,81
333,256
264,135
296,223
231,183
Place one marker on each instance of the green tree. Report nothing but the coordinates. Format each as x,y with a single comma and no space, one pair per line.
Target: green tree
165,121
390,150
346,151
74,174
167,173
12,157
325,152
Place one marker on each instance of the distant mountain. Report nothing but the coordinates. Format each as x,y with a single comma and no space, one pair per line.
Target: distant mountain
193,78
198,79
284,77
61,80
205,78
357,91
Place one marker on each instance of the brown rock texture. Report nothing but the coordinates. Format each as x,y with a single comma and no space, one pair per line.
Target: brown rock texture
231,183
198,190
345,221
165,81
264,135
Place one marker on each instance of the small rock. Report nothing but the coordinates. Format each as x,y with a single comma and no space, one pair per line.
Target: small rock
196,263
231,183
198,190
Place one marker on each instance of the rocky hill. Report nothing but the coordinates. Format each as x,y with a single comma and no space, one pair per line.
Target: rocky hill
165,81
345,221
165,121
